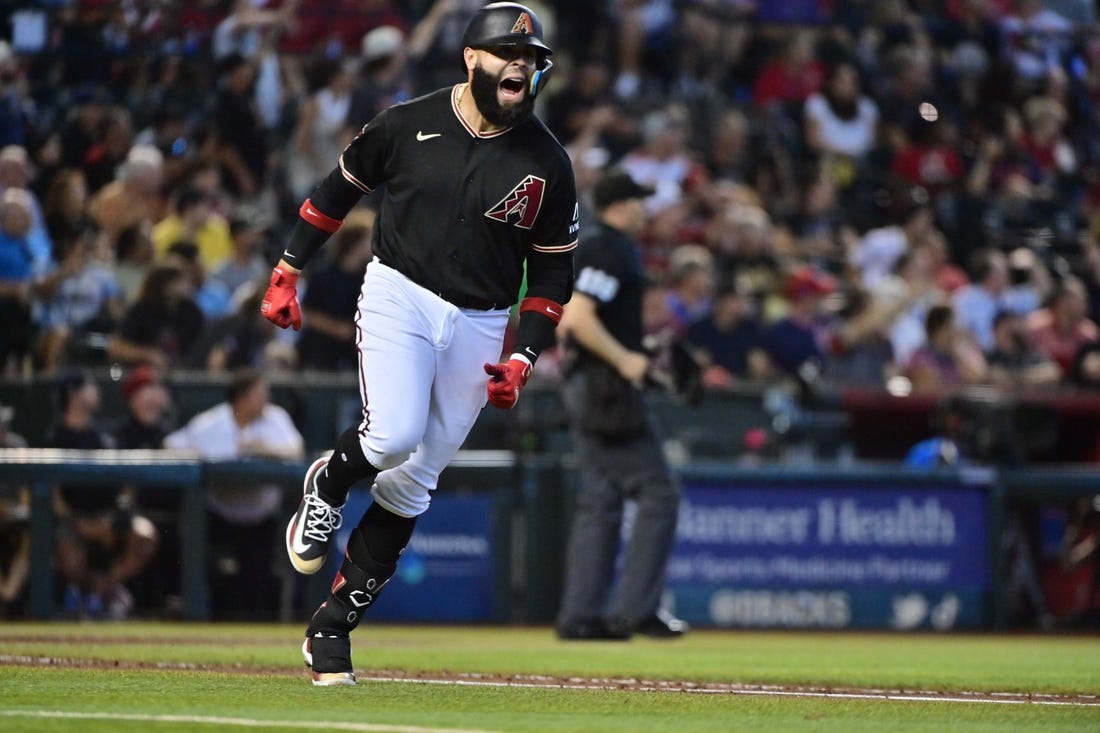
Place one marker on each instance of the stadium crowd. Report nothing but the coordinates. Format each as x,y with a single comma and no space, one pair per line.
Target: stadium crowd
862,189
870,189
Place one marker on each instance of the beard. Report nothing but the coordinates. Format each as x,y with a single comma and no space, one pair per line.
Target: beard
483,86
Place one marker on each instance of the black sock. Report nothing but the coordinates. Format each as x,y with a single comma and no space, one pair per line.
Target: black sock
385,534
347,466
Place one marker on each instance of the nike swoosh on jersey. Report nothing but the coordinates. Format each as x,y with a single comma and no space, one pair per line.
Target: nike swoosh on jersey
296,543
422,137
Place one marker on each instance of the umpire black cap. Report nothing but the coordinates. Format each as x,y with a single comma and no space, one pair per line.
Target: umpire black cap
504,24
617,185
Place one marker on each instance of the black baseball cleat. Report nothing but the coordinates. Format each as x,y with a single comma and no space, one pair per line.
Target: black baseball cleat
662,625
312,526
591,629
329,659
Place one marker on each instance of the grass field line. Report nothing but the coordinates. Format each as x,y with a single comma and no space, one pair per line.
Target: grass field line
475,679
240,722
995,698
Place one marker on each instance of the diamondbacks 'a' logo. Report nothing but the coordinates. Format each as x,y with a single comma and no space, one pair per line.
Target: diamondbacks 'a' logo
521,204
523,24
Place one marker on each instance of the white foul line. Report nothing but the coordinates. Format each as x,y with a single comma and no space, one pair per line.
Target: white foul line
242,722
1022,699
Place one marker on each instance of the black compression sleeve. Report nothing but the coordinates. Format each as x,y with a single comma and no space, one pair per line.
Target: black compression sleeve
320,216
533,334
549,278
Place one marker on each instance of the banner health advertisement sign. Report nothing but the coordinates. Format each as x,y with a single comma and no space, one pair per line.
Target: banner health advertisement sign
832,557
446,573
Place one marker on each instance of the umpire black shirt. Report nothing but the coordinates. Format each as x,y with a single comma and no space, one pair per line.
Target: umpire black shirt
609,270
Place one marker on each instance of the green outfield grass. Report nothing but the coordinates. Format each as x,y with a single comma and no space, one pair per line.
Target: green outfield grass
252,676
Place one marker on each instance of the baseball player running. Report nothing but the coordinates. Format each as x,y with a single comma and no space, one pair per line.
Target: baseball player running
475,188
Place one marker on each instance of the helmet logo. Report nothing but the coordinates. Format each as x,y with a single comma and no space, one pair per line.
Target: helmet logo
523,24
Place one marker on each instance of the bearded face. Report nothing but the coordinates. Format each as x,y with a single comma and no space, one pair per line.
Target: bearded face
503,98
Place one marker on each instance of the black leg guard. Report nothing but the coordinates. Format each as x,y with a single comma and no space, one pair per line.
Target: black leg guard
347,466
356,587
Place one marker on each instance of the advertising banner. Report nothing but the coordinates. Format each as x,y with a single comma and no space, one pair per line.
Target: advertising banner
832,556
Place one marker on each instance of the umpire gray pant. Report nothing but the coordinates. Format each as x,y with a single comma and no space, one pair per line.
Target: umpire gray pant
612,472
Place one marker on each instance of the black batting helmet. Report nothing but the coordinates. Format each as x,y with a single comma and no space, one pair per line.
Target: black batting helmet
504,24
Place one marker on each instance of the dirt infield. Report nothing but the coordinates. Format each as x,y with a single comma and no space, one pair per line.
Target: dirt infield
573,683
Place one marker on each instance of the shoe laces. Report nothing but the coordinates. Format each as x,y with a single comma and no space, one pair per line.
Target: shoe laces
322,519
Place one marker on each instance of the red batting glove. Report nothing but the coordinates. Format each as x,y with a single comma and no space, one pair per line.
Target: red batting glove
505,382
280,303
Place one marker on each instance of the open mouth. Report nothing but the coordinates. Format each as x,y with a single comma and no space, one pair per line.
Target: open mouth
512,87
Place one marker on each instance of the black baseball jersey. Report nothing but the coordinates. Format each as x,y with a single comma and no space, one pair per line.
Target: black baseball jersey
462,211
610,271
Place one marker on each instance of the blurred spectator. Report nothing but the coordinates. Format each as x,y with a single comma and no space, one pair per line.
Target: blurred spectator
384,78
793,75
730,156
20,276
903,298
239,339
244,533
331,299
132,198
1036,37
148,405
927,156
79,131
318,138
134,256
241,148
162,325
436,41
859,352
949,277
194,220
211,296
841,123
1014,361
1086,366
823,232
82,302
664,161
16,109
148,416
242,30
16,173
878,250
713,36
1046,141
102,542
643,43
15,539
249,230
65,209
948,359
583,105
730,337
689,286
953,426
114,141
1063,327
803,335
740,235
989,292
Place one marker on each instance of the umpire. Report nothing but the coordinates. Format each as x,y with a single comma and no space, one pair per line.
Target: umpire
619,454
